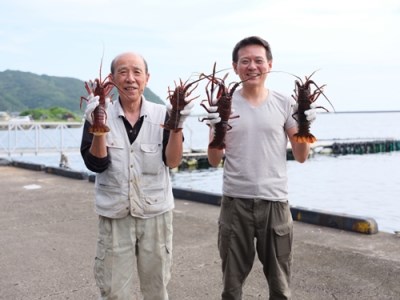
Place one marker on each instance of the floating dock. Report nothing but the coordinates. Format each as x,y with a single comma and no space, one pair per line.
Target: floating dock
365,147
197,159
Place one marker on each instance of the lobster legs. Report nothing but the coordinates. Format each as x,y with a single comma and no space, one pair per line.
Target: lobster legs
223,102
178,100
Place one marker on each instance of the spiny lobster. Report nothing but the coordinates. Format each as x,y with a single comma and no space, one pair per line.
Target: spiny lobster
101,88
223,101
304,97
178,100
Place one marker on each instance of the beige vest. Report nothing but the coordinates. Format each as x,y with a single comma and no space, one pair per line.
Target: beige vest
137,181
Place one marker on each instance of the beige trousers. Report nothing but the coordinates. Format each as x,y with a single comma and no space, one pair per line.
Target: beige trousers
130,242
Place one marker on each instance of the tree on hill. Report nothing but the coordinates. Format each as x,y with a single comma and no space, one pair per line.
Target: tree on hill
21,91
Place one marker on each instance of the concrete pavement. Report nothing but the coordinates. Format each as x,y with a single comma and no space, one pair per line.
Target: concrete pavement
48,235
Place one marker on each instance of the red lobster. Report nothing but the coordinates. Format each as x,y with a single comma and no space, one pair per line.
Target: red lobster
178,101
224,102
101,88
304,98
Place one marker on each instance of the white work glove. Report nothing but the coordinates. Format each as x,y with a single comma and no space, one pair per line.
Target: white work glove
185,112
92,103
311,114
213,116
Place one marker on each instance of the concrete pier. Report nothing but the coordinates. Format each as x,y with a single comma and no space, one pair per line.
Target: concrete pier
48,233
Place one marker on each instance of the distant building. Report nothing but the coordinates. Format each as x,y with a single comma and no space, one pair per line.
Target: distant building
21,119
4,116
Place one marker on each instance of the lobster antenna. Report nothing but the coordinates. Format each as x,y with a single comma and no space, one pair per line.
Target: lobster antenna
312,74
320,89
235,83
101,60
290,74
214,72
213,80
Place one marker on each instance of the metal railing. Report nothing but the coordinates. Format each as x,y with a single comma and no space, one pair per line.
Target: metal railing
39,137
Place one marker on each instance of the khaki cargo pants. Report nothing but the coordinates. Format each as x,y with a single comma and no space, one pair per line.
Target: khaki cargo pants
250,225
126,243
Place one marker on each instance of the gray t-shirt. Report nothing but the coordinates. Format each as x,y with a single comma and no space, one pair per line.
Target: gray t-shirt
255,154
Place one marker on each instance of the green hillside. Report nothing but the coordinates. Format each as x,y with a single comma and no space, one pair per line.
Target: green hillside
21,91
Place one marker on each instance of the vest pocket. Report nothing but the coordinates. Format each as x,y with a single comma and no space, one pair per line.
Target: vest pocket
152,160
115,148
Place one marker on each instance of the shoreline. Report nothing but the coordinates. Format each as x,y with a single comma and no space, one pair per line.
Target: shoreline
348,222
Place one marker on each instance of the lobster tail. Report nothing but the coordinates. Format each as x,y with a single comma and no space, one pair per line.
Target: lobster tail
305,138
99,126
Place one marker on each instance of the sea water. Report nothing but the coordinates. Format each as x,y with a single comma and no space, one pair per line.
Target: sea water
365,185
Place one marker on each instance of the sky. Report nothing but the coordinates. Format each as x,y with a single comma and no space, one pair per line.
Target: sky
354,44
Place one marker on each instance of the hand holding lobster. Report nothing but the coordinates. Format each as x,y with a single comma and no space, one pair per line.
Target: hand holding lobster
311,113
99,91
183,114
179,107
99,97
219,108
92,103
304,110
212,116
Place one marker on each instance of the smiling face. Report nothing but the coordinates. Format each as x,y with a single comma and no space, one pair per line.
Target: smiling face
252,63
129,73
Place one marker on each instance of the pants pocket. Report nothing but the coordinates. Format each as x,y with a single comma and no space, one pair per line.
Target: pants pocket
100,270
283,240
224,236
102,266
224,226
